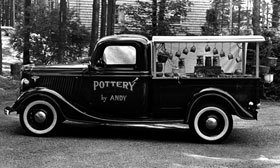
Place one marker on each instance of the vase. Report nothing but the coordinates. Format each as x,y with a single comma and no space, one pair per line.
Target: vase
264,69
271,61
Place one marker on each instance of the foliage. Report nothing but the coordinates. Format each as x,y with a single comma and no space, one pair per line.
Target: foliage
218,20
44,36
141,16
211,25
271,48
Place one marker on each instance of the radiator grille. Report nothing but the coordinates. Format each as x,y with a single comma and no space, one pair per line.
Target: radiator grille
63,85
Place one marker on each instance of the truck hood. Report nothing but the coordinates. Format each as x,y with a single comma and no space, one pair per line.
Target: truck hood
55,69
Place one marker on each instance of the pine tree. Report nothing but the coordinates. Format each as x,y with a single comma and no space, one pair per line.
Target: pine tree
62,29
111,17
161,14
256,17
26,55
154,18
94,25
275,14
1,40
103,18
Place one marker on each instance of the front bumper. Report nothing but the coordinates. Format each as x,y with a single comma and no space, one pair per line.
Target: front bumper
8,110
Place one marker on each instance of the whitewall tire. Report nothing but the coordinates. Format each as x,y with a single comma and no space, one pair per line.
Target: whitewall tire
211,123
39,117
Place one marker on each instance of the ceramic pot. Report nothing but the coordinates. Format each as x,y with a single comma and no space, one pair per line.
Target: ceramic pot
208,61
215,51
193,49
170,55
207,48
186,51
216,61
264,69
272,61
159,67
222,54
238,59
230,56
162,57
178,54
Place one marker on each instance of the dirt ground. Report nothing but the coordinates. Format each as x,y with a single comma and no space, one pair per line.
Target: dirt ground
251,144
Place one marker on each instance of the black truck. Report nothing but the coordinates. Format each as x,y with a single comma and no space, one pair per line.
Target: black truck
196,81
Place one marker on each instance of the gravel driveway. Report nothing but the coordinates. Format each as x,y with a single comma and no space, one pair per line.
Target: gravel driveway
252,144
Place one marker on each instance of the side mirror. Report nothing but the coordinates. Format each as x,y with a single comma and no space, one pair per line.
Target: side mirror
100,63
91,67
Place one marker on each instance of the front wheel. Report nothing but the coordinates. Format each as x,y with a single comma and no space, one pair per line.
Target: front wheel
211,123
39,117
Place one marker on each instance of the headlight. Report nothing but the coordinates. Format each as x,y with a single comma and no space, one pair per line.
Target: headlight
251,103
24,81
268,78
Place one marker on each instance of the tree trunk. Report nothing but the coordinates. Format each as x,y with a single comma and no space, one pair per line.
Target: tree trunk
43,2
111,15
12,13
15,70
62,29
275,13
3,13
239,19
1,58
103,18
154,18
256,17
161,24
26,44
7,13
94,25
109,18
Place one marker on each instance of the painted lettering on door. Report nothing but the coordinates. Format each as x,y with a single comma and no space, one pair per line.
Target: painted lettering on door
113,98
119,98
113,84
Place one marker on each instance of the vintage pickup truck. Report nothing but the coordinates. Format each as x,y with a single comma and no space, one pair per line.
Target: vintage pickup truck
196,81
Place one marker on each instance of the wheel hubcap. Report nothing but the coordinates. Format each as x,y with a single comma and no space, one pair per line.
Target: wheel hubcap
211,123
40,117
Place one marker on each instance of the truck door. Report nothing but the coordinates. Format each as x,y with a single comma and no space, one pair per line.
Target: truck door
119,88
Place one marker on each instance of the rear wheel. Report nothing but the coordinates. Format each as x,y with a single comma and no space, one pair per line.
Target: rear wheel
39,117
211,123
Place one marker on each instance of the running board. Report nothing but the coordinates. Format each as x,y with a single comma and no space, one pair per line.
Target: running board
155,126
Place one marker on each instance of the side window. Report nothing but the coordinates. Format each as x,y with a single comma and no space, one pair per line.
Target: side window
119,55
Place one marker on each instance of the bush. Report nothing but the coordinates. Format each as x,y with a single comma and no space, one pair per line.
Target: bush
271,48
44,36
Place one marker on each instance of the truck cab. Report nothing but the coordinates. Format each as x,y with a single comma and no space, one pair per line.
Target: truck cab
196,81
121,75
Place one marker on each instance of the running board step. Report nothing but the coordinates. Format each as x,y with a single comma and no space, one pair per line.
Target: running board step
156,126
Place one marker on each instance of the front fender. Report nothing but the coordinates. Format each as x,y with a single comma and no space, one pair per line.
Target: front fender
212,93
61,103
71,112
27,95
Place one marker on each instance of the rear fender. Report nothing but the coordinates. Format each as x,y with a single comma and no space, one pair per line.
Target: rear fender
215,94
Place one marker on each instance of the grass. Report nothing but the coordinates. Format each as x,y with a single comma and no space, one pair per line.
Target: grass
8,85
8,88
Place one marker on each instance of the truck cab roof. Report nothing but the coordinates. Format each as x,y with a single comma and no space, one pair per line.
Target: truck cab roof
125,37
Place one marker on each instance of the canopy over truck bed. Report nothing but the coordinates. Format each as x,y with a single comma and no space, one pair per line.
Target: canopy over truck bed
234,48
